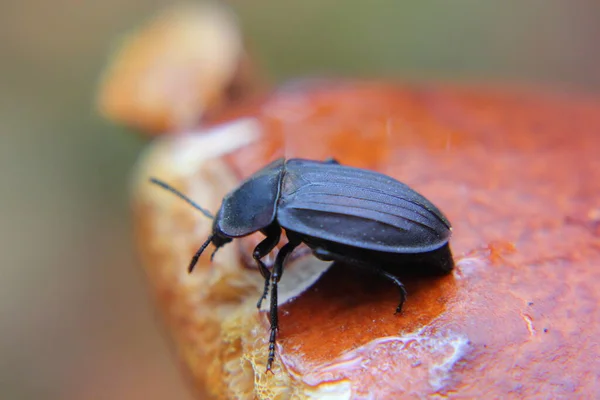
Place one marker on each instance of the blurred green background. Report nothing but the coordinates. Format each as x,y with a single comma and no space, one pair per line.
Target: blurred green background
76,321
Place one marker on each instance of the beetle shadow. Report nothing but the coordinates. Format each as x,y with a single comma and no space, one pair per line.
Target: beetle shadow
439,262
419,273
356,305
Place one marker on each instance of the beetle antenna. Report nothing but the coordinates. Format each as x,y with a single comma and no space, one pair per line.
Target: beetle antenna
199,253
182,196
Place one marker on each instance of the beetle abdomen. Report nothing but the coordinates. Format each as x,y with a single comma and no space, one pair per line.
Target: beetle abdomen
358,208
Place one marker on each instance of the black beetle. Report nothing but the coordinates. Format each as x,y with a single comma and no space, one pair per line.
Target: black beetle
344,214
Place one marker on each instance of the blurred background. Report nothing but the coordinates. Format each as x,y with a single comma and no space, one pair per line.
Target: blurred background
76,320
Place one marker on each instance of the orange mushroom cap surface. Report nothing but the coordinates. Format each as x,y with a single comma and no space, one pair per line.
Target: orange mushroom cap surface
517,174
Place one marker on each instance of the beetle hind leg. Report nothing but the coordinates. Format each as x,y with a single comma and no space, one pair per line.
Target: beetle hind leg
396,282
326,255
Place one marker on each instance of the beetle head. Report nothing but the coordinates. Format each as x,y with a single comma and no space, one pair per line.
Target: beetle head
218,240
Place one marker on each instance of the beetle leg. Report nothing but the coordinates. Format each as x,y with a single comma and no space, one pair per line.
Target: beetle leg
395,281
275,277
261,250
196,256
326,255
267,275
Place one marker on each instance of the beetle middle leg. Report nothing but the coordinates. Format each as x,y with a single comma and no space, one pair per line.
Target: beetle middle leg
273,234
285,251
326,255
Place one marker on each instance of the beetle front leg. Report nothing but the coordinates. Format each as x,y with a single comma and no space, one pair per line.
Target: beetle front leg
262,249
286,250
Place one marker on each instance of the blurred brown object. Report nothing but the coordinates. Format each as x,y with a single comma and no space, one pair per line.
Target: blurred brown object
518,176
185,63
